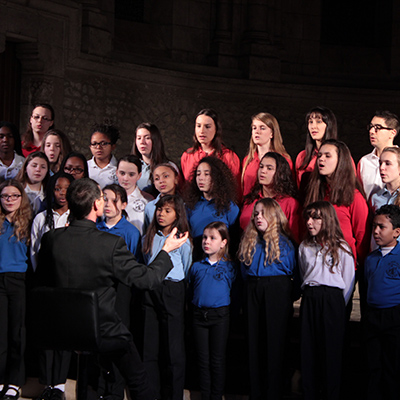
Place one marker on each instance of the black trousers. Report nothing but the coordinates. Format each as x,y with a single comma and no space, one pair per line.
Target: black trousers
54,367
163,341
12,328
269,307
382,336
323,318
210,331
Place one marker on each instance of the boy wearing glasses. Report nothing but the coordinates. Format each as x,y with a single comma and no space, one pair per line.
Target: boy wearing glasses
383,129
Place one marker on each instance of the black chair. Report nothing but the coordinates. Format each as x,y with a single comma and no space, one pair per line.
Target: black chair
66,319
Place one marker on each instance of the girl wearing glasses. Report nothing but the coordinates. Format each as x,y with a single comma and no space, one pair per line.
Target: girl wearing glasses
103,165
42,119
76,165
11,159
15,219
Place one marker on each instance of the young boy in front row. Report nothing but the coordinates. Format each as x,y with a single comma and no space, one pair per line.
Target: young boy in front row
382,317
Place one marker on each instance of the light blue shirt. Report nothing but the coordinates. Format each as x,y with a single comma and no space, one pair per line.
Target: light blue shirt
149,212
144,180
181,258
383,197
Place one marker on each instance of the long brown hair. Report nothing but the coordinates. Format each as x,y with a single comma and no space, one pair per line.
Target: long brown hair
22,218
181,221
28,137
277,227
343,181
216,143
329,118
65,147
276,140
330,236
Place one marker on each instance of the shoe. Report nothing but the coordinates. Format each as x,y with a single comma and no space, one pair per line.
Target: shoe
57,394
11,396
46,394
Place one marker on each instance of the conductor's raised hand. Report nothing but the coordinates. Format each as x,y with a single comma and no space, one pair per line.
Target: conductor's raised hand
175,240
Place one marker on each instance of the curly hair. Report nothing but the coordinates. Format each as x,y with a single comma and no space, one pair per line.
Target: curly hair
22,219
277,228
330,236
107,128
329,118
283,183
343,181
223,185
276,140
181,221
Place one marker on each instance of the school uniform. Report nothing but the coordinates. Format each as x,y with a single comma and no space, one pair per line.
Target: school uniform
381,323
326,291
149,212
135,209
36,199
164,323
11,171
13,266
268,288
103,176
211,285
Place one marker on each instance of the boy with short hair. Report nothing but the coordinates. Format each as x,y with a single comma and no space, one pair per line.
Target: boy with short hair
129,171
382,316
383,128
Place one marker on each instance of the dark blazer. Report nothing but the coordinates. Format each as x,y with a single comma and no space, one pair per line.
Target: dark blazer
80,256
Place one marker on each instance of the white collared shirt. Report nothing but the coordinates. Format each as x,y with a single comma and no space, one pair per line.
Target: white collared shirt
103,176
135,209
11,171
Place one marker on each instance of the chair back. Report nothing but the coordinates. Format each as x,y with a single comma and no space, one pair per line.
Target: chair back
64,319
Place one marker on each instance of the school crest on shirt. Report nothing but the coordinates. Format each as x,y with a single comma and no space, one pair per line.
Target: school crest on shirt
138,205
219,272
393,271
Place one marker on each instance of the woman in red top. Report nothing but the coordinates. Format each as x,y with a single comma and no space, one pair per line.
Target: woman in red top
265,136
275,181
207,141
334,180
321,125
42,119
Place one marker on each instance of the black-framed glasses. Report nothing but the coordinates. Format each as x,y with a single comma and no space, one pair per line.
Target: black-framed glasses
13,197
101,144
377,127
71,170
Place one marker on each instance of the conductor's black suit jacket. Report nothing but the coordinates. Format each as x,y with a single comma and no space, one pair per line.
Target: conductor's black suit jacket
80,256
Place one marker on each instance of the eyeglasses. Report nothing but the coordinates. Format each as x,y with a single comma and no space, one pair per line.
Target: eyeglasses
101,144
8,136
71,170
13,197
39,117
377,128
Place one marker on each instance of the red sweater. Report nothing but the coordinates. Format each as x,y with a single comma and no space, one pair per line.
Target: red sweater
250,174
290,207
190,160
355,223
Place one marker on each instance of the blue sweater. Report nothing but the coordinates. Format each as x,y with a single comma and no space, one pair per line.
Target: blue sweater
382,275
212,283
205,212
127,231
13,253
286,266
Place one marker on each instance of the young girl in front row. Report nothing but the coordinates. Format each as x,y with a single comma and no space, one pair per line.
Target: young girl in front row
164,305
268,264
15,219
211,280
327,273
